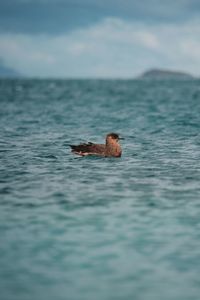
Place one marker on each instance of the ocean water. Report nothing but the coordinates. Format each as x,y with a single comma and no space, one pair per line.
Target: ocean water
99,228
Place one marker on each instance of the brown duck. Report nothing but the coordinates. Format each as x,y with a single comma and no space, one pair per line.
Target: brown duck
111,148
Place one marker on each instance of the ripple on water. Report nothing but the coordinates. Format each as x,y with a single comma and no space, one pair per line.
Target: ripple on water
94,228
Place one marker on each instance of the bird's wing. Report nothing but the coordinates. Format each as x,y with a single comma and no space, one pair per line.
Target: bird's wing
88,149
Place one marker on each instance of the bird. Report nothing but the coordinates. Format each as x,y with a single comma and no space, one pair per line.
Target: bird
111,148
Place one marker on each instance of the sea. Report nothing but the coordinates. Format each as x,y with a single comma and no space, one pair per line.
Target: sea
95,228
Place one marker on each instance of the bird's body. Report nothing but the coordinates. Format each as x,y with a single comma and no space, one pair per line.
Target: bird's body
111,148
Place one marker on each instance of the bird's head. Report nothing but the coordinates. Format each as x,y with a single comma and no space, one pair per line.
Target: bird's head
113,138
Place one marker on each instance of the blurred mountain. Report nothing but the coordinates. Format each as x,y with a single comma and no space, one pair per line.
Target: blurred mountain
6,72
165,74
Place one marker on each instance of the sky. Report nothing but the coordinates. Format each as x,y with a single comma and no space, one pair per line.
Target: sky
99,38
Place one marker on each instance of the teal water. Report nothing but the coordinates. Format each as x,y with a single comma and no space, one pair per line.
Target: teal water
99,228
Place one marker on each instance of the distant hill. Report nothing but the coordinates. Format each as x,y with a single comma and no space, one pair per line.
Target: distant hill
165,74
6,72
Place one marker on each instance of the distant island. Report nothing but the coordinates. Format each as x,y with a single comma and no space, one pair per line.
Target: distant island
6,72
165,74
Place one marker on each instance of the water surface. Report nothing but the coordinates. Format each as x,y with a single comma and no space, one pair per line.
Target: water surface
92,228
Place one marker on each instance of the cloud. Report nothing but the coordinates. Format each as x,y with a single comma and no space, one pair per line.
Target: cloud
59,16
110,48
